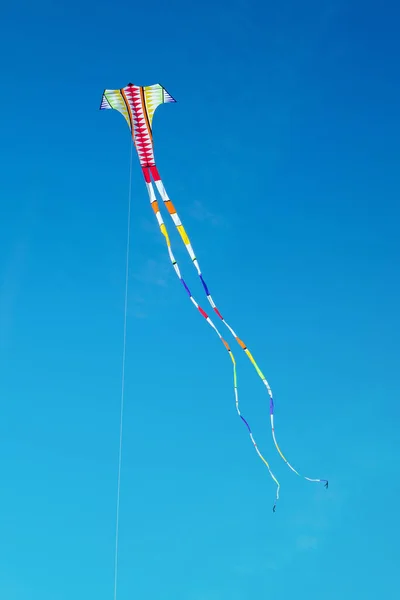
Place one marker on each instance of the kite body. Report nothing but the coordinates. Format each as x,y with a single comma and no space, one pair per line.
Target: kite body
137,104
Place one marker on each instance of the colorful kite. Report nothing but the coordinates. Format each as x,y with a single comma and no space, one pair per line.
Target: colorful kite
138,104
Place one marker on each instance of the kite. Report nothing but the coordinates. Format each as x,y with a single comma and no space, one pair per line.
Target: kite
138,104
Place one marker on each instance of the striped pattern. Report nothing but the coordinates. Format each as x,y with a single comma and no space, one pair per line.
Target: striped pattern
163,229
175,218
137,105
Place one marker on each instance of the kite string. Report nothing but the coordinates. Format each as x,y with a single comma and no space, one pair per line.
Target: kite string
123,377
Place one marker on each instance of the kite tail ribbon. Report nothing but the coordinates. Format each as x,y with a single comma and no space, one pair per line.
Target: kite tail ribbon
147,172
153,171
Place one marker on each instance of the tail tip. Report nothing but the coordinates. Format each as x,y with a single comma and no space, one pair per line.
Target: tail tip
326,484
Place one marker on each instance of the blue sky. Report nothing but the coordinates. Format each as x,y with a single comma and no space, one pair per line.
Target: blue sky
281,157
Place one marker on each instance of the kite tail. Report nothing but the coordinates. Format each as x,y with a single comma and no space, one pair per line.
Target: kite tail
155,207
175,218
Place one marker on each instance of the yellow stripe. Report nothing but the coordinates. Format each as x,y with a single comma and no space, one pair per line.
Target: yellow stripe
254,364
183,235
144,105
279,450
265,462
165,233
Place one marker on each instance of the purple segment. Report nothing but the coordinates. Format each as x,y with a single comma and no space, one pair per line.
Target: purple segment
204,285
186,288
271,406
246,423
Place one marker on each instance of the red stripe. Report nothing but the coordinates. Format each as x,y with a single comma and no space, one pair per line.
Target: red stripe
218,313
203,313
155,173
146,174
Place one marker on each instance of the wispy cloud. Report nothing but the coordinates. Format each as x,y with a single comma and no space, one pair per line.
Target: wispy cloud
307,532
306,542
154,272
137,308
151,273
149,225
200,212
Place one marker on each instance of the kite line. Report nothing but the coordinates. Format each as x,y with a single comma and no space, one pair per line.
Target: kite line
137,104
121,422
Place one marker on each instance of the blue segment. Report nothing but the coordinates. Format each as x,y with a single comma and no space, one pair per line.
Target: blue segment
204,285
246,423
186,288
